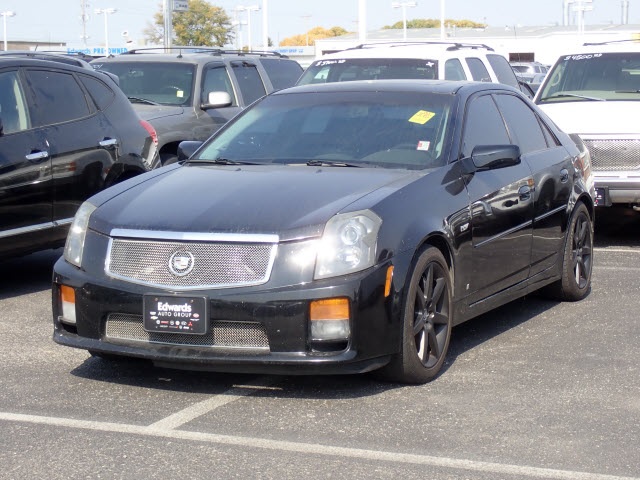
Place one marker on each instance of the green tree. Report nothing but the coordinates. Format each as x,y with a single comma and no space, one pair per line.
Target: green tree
312,35
434,23
202,25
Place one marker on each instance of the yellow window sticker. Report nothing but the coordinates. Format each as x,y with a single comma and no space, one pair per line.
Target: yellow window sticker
180,94
422,117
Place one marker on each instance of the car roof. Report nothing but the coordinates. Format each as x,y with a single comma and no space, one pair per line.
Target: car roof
59,58
607,47
448,87
425,50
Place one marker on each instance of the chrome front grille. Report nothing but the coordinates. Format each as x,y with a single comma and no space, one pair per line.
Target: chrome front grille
614,155
223,334
215,264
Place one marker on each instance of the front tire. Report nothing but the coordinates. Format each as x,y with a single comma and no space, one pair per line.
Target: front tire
427,321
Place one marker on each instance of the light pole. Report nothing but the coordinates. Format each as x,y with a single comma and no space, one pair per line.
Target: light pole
306,17
404,6
5,14
248,9
106,12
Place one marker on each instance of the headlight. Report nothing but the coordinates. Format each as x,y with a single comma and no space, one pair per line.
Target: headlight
75,239
348,244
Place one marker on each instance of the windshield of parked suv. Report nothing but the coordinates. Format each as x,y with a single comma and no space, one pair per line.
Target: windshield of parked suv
151,82
593,77
341,70
342,129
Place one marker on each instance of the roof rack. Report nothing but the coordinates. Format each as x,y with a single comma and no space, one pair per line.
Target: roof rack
216,51
452,45
61,57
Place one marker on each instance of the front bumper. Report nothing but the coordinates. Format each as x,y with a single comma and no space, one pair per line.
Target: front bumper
614,187
281,314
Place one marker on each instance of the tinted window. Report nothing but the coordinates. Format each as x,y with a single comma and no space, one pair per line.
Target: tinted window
502,69
453,70
483,125
282,73
249,80
100,93
522,123
13,108
57,97
342,70
478,71
216,79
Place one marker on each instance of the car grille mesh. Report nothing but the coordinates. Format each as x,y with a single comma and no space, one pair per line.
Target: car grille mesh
614,155
215,264
224,334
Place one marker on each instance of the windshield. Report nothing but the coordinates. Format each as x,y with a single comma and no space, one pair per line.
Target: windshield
375,129
341,70
597,76
151,82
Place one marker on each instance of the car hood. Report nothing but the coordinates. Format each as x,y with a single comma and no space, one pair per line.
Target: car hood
152,112
290,201
595,118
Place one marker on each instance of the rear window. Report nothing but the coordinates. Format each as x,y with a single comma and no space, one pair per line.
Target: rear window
341,70
503,70
282,73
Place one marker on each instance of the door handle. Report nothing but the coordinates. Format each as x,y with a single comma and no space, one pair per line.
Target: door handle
36,156
108,142
524,193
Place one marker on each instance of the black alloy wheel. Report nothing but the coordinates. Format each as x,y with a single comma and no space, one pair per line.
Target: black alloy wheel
427,321
577,261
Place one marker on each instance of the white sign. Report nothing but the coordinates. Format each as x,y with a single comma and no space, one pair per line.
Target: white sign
180,5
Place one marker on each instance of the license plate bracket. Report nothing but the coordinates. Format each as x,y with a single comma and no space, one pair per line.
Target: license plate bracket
175,314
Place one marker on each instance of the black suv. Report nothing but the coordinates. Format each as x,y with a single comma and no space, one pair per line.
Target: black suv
66,132
188,93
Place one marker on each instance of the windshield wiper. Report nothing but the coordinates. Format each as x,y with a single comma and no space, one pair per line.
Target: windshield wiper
331,163
221,161
142,100
572,95
627,91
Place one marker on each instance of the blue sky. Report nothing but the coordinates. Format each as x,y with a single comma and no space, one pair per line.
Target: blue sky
59,20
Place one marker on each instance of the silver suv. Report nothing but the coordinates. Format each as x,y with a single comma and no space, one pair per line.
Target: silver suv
414,60
188,93
595,92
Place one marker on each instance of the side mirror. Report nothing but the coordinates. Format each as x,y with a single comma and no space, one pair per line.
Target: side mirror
217,100
490,157
187,148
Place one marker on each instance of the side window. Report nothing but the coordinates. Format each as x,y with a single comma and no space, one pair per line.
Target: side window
502,69
100,93
453,70
216,79
57,97
478,71
282,73
13,107
249,81
483,125
523,123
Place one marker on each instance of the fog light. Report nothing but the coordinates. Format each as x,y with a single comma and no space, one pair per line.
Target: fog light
330,319
68,303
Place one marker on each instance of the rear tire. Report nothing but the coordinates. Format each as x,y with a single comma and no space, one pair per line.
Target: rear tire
577,263
427,314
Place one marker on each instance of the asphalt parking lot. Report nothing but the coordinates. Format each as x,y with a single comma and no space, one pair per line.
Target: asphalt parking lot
537,389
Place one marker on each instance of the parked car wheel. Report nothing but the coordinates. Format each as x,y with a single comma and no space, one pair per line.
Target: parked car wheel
427,321
578,259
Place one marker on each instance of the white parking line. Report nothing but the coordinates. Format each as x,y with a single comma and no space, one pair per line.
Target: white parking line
310,448
198,409
617,250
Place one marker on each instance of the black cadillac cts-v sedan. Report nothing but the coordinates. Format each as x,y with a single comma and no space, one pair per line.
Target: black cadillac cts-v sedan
334,228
